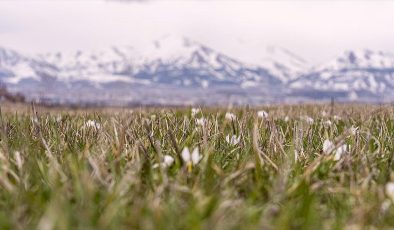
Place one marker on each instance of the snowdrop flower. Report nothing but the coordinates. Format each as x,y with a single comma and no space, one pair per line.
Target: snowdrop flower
308,119
168,161
343,149
92,124
262,114
324,113
385,205
328,122
230,116
195,111
286,119
337,118
201,121
58,118
389,189
190,159
329,147
34,119
234,140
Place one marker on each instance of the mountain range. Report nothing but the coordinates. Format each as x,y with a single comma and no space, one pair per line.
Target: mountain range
179,71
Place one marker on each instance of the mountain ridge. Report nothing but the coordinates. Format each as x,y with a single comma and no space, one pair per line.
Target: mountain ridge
182,71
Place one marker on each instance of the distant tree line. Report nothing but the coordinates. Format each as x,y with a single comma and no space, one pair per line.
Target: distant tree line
8,96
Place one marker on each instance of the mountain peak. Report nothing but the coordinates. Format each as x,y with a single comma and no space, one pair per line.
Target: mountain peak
362,58
176,62
282,63
9,56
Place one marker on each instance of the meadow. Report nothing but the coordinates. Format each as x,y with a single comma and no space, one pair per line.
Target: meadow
275,167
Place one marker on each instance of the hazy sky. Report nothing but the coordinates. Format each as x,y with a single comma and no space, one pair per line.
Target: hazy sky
315,30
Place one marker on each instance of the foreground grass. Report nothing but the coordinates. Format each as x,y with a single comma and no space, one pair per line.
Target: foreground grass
98,170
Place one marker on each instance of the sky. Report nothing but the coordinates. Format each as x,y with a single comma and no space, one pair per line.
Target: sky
314,30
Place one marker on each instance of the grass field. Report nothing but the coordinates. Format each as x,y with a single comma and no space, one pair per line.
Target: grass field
300,167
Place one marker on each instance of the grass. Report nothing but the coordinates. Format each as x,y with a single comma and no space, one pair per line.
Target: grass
58,173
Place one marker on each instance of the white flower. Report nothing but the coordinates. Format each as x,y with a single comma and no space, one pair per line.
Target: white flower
195,111
201,121
340,151
324,113
385,205
92,124
190,159
328,122
389,189
329,147
58,118
168,161
286,119
230,116
337,118
262,114
34,119
233,140
307,119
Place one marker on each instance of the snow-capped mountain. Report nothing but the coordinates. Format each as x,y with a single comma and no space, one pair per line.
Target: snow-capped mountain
176,71
355,75
283,63
168,61
175,61
15,67
361,59
121,72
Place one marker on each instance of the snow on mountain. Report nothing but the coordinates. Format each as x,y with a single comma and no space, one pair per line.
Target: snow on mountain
168,62
15,67
9,57
362,73
178,70
360,59
278,61
283,63
171,60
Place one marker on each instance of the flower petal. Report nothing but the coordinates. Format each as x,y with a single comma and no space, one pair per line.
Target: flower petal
262,114
168,160
328,146
196,156
186,155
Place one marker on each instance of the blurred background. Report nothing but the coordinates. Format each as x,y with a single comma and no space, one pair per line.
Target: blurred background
218,52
